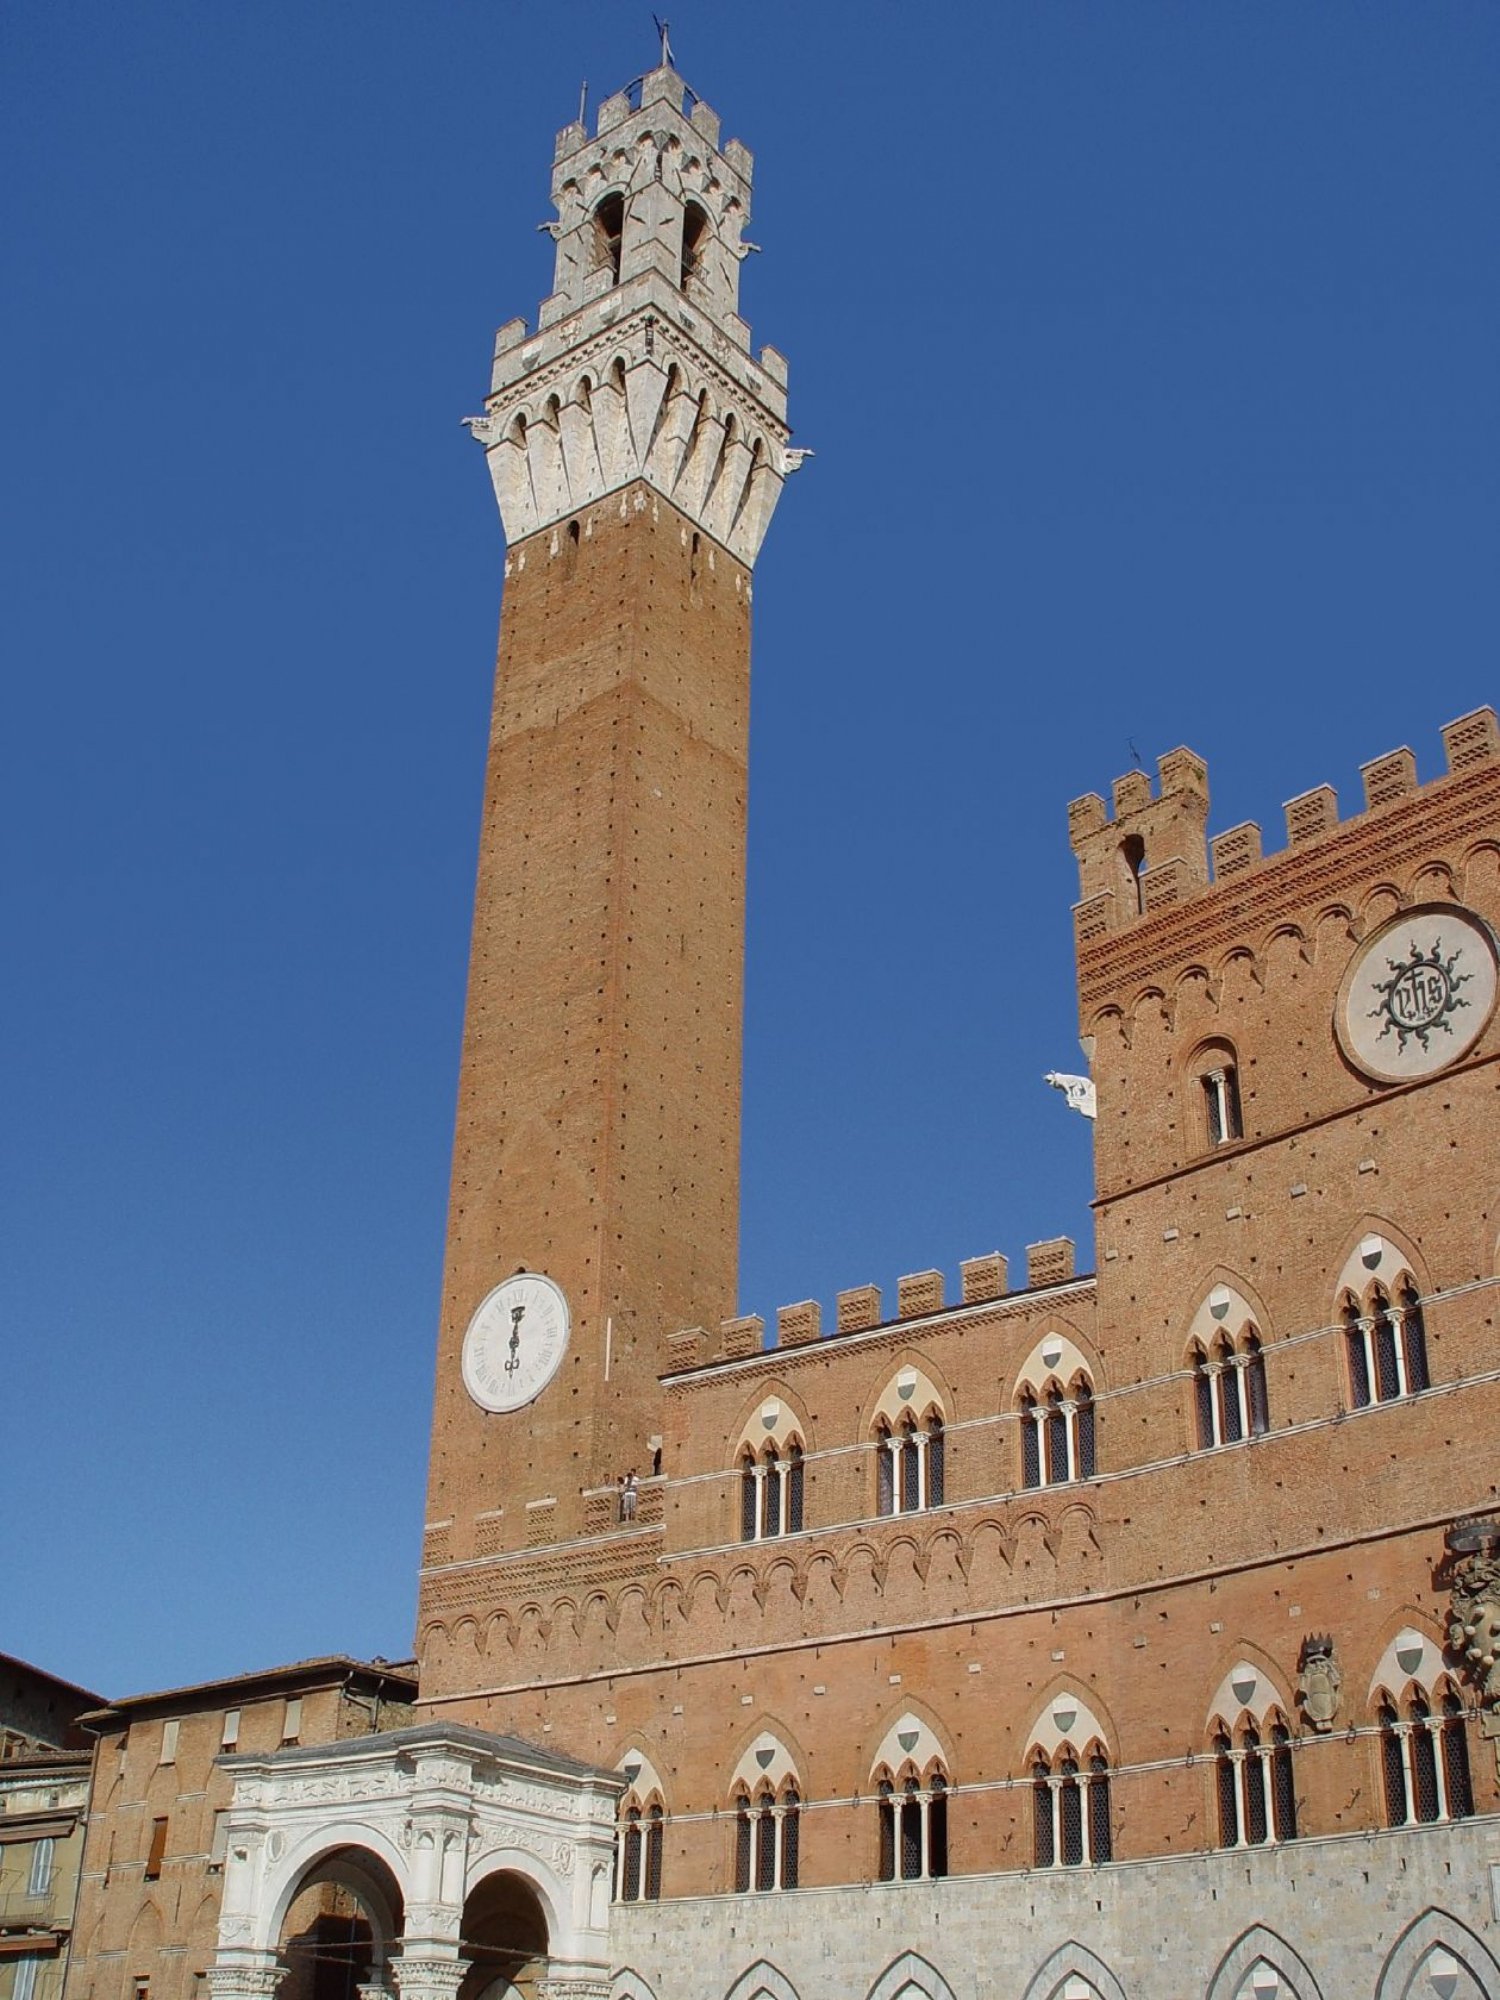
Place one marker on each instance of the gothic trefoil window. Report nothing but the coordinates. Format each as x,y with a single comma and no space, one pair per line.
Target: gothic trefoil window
1231,1400
767,1829
1254,1775
639,1834
910,1447
1424,1757
772,1478
1070,1806
1055,1407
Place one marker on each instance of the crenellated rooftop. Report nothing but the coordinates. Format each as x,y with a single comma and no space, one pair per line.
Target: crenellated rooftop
1152,851
920,1295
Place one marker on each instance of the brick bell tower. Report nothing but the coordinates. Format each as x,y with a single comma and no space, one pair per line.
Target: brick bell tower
637,451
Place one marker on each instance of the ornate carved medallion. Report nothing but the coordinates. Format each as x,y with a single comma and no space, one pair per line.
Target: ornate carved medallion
1417,995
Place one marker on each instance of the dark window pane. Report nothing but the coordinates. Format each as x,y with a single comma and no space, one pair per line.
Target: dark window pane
653,1855
773,1494
1456,1762
911,1483
1070,1812
1359,1360
743,1835
1043,1836
1283,1787
934,1463
1257,1823
630,1888
1387,1376
1229,1399
747,1503
1203,1400
937,1829
911,1840
887,1835
1057,1443
1228,1791
1085,1422
885,1482
1214,1109
1234,1123
1255,1382
1031,1447
791,1821
765,1847
1392,1770
1101,1834
794,1494
1414,1340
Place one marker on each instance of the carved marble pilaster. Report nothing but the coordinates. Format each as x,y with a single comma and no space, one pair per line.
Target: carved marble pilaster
248,1976
427,1975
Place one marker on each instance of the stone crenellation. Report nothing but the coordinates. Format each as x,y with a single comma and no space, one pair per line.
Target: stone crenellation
1149,850
919,1295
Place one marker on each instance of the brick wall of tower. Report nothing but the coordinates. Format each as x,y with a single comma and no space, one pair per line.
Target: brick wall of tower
597,1130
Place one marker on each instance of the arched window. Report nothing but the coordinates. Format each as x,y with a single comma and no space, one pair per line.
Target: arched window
768,1810
1385,1343
638,1838
696,233
630,1859
609,231
1231,1401
1070,1817
794,1489
1254,1780
1214,1076
1424,1759
913,1825
1058,1433
771,1492
909,1464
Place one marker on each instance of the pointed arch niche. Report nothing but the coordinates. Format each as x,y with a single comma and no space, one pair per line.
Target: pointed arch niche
1225,1353
1068,1763
909,1429
770,1456
911,1779
766,1795
1380,1305
1250,1732
1420,1713
1054,1399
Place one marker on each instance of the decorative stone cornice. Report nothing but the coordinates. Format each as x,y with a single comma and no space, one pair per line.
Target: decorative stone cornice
631,389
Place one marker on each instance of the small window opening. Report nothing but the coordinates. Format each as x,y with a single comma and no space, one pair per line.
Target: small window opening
1221,1098
695,234
609,229
1132,861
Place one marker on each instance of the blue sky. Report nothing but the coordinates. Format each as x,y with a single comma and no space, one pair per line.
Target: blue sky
1148,354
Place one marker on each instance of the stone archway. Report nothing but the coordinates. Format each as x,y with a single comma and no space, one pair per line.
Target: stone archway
340,1926
503,1936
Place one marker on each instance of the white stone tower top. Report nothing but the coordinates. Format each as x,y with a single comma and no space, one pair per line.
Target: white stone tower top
640,368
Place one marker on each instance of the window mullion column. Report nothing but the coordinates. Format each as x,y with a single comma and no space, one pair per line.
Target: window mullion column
1242,1795
778,1817
924,1838
1054,1806
1367,1335
1434,1730
898,1495
760,1501
1408,1775
783,1490
920,1439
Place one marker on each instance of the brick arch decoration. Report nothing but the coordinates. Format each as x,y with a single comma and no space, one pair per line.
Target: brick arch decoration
1255,1948
911,1977
762,1981
1434,1949
1074,1965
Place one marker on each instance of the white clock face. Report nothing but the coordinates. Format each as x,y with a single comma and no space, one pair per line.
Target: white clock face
1419,994
515,1342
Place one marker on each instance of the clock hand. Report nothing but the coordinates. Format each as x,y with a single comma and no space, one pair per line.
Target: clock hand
517,1314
